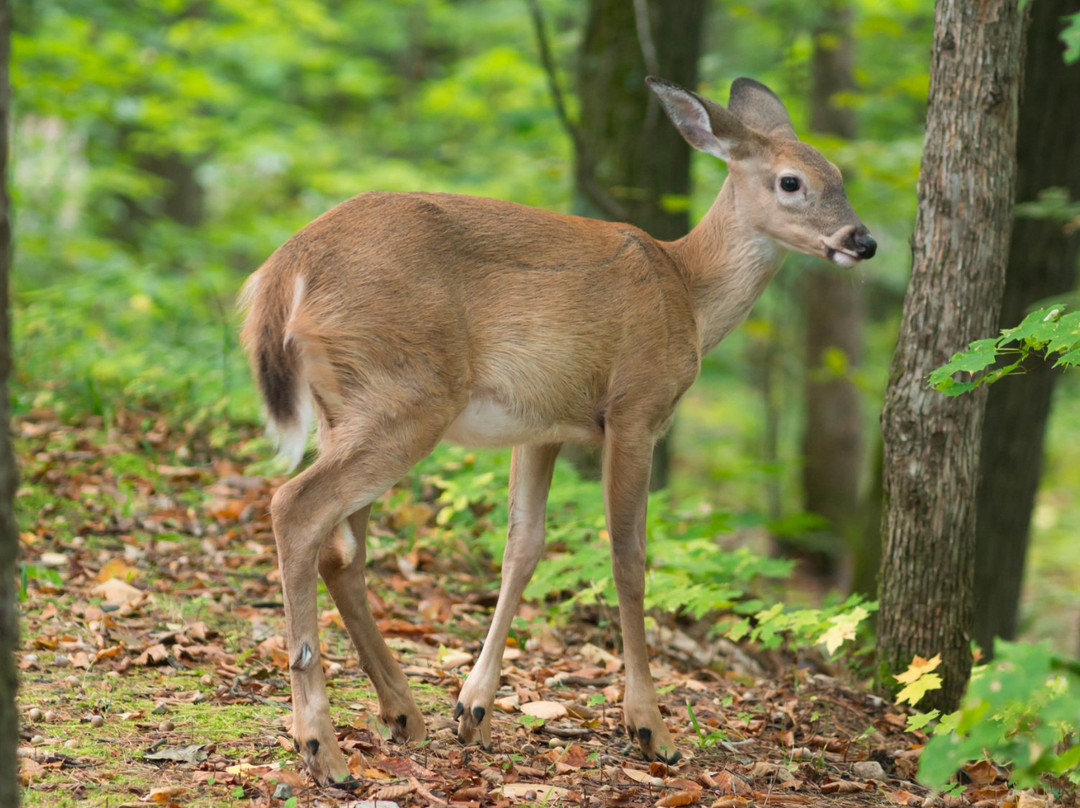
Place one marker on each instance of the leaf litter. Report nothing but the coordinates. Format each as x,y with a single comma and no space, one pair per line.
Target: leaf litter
154,669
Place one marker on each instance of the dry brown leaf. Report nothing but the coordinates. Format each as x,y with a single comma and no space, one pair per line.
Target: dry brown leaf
730,802
392,792
678,798
983,772
469,794
645,778
115,568
165,794
1028,799
548,710
154,655
842,787
115,592
731,783
535,791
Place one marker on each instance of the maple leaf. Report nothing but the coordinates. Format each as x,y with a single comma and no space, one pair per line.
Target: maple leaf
842,628
913,692
918,679
918,667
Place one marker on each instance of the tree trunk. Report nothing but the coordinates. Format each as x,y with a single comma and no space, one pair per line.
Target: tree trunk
835,314
632,164
9,536
1042,262
959,252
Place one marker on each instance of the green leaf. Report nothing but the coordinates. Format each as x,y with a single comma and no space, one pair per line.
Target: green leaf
919,720
1071,37
914,692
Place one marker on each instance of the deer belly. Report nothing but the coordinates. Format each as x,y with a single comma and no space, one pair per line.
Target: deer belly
487,424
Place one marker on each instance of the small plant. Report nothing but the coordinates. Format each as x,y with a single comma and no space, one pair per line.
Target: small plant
802,628
1021,710
705,740
28,572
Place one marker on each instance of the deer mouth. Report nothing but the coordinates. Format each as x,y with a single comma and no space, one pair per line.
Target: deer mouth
842,258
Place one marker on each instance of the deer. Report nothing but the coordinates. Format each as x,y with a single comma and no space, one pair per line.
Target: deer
395,321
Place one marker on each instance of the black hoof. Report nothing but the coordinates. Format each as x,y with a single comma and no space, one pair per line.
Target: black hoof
644,736
478,714
403,720
313,746
348,783
459,709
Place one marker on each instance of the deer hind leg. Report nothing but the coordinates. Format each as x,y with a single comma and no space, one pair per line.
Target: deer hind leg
341,564
307,511
626,468
531,468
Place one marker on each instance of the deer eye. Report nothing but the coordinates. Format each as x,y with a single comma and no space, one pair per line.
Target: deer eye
789,184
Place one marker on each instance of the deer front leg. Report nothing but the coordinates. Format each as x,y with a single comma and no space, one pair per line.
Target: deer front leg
531,468
626,468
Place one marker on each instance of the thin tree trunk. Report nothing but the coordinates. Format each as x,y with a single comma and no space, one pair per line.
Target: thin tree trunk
1042,262
959,252
9,536
632,164
835,315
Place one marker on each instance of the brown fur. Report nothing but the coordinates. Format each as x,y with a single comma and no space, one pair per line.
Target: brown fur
404,318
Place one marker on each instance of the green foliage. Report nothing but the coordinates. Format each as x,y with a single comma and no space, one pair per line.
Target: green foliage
688,573
1050,332
830,626
705,740
1071,37
1022,710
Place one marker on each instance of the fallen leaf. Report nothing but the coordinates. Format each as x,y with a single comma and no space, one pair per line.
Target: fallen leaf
116,592
392,792
535,791
842,787
645,778
678,798
166,794
450,658
548,710
192,753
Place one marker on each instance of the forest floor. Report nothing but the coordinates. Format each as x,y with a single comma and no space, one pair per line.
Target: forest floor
154,670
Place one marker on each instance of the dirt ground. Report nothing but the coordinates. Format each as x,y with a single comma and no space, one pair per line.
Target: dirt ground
154,671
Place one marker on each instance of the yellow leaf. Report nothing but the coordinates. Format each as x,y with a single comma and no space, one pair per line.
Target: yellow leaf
917,668
115,568
913,692
842,627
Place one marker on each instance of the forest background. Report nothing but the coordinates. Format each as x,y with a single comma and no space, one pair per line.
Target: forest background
162,150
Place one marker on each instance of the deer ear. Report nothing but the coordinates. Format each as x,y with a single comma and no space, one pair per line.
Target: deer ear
761,109
706,125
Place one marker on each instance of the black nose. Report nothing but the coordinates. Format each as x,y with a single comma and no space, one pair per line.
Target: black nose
865,245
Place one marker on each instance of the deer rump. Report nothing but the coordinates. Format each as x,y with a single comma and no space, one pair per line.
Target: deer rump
528,339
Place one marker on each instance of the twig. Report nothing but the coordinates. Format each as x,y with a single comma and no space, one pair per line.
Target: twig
585,175
644,32
548,63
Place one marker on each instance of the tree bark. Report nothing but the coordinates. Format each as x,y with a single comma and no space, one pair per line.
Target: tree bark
632,164
835,315
959,251
9,536
1042,262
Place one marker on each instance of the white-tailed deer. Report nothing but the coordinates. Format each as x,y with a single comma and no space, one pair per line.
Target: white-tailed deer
400,320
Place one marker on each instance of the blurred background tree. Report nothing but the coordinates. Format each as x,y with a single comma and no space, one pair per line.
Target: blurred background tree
163,149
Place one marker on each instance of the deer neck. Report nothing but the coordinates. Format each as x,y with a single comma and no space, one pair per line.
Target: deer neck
727,265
